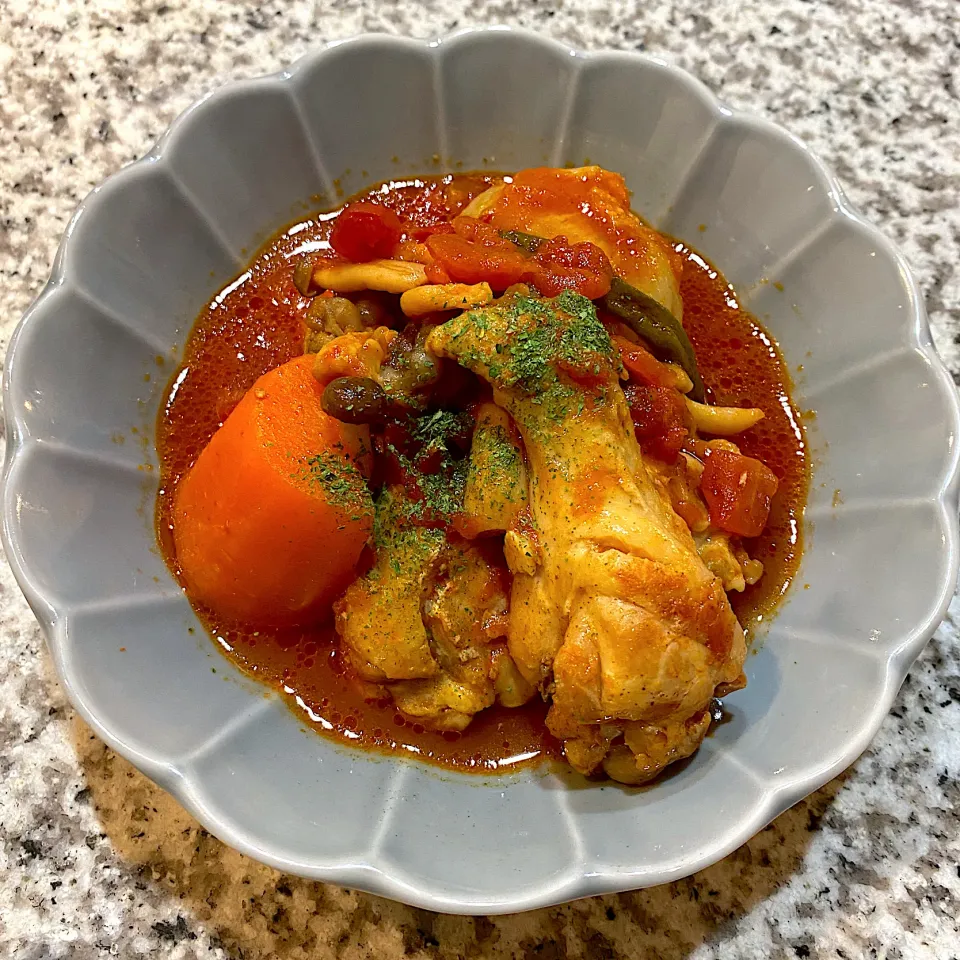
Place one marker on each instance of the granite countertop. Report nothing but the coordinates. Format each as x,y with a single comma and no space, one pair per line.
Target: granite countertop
96,860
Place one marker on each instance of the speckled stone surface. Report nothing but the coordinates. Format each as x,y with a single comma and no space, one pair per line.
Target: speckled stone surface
96,861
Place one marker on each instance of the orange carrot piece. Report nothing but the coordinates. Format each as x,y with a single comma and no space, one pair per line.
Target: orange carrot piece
270,521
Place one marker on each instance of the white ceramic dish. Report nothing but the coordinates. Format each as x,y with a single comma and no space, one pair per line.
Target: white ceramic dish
155,241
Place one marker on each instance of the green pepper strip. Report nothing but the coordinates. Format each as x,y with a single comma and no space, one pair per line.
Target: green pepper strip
658,326
645,316
525,241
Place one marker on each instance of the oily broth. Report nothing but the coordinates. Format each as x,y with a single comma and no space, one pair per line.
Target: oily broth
742,367
253,325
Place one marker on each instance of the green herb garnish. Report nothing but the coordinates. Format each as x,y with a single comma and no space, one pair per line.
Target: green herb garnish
341,482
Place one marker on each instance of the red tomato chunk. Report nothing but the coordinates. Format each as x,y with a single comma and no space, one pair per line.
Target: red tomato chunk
469,262
642,365
660,419
561,266
366,231
738,491
476,252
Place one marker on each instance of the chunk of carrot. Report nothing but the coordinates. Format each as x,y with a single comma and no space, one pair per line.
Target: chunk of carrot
270,521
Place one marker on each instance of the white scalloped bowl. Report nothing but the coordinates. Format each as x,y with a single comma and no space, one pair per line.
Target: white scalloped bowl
156,240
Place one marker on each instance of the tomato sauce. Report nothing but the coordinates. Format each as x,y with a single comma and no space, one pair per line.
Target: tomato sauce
741,366
254,324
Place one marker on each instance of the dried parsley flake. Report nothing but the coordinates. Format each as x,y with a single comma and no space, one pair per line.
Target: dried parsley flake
341,482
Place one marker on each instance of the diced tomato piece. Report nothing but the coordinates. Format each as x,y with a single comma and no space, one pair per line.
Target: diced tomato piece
436,273
467,261
413,251
418,232
470,228
660,419
738,491
616,328
416,251
366,231
582,267
643,365
430,460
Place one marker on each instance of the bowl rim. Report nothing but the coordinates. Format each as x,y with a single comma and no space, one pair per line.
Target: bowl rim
377,879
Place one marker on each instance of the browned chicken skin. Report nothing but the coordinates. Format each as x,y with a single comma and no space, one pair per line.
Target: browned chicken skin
586,204
613,614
